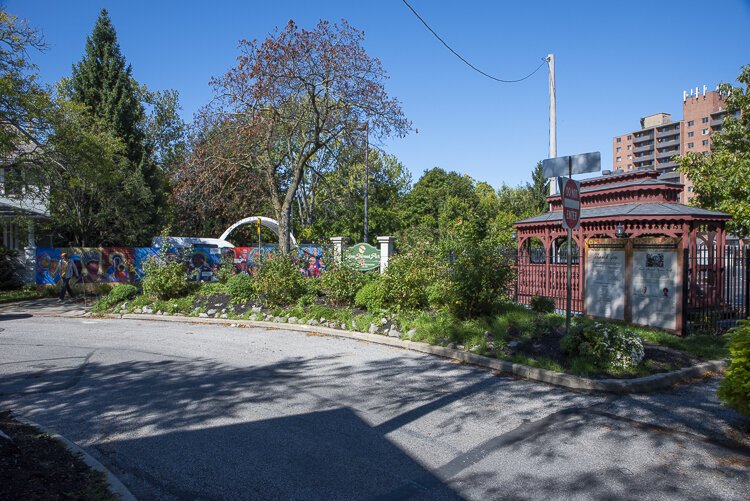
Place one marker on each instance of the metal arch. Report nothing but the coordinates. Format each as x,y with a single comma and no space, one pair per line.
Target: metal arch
267,222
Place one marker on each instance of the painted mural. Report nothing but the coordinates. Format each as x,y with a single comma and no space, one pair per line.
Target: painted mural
125,264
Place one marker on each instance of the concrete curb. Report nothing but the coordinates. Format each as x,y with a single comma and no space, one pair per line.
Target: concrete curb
115,484
636,385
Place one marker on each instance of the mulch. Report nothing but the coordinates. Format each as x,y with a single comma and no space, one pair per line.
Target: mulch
33,465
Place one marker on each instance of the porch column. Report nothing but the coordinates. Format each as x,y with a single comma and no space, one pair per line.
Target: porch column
30,255
386,251
338,247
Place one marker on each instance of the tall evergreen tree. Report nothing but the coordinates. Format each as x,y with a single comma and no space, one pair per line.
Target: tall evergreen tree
103,82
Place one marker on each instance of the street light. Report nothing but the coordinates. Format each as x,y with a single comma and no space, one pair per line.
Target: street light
619,231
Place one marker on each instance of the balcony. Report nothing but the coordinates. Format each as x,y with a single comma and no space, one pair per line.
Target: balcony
667,144
644,148
649,136
667,154
717,122
667,166
643,159
672,131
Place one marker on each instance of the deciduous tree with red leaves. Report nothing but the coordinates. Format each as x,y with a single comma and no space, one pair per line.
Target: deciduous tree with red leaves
293,96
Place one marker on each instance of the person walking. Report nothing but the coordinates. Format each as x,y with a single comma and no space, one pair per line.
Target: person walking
68,270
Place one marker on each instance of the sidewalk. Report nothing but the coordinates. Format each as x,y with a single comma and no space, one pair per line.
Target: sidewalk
47,306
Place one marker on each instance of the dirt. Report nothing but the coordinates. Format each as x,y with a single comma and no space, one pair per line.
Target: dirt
33,465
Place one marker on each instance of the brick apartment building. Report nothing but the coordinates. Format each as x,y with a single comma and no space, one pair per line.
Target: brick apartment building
660,139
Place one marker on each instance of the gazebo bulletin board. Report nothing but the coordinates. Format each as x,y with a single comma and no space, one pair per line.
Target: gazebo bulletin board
637,280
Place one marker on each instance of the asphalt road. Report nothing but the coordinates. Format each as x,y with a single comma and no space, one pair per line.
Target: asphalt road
184,411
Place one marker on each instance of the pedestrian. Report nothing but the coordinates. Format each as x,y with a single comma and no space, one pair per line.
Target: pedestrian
68,270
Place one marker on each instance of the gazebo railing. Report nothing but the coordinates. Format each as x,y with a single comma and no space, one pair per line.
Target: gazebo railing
540,275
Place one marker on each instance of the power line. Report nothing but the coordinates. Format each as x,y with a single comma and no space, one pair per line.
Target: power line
544,59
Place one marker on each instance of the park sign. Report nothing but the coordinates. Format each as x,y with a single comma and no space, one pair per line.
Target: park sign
362,257
570,192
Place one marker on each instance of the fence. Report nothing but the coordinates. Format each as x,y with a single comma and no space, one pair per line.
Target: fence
717,288
540,274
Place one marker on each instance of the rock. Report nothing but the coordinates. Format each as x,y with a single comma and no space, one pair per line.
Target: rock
211,312
218,305
147,310
224,315
373,329
292,320
322,320
343,326
255,309
474,348
383,321
312,322
160,312
512,344
202,315
394,333
179,314
489,335
138,310
460,347
451,346
223,310
411,333
253,317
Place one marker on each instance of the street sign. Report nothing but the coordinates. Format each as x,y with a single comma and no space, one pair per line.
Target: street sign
570,192
573,164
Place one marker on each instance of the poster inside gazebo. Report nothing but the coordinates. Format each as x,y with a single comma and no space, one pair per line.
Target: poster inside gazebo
656,282
605,278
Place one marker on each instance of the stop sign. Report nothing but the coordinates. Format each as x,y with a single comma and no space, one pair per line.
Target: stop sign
571,202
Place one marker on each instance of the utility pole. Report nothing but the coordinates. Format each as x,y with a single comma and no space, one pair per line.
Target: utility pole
552,118
367,178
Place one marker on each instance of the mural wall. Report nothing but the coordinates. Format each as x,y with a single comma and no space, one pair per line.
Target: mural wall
125,264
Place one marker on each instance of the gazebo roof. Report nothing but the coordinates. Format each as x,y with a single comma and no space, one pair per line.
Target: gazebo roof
634,209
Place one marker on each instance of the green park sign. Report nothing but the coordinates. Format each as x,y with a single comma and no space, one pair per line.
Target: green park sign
362,257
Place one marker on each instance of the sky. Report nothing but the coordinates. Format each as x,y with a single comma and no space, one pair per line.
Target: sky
615,62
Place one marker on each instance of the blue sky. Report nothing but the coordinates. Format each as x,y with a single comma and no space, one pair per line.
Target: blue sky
616,62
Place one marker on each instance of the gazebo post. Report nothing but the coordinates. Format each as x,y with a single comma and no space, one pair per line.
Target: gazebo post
547,257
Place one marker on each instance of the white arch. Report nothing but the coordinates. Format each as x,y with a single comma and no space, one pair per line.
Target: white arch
267,222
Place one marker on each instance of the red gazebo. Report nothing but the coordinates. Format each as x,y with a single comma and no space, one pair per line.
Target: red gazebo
621,205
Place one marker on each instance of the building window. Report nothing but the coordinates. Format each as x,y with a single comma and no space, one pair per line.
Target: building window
618,149
704,120
705,142
630,156
690,189
619,139
704,132
691,123
630,147
690,145
630,137
619,158
691,134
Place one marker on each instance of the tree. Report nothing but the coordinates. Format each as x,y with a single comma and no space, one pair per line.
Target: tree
23,102
539,188
103,82
296,94
720,179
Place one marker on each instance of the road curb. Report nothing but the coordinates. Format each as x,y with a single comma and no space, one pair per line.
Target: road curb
115,484
644,384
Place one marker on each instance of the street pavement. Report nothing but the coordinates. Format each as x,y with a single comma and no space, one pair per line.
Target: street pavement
189,411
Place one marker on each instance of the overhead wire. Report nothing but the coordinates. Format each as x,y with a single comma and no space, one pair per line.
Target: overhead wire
544,59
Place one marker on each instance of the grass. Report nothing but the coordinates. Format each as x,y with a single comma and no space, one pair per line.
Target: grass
19,295
707,347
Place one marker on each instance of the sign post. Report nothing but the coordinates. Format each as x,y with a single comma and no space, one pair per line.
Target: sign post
570,194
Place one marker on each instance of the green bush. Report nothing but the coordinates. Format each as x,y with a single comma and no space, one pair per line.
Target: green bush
116,295
165,281
279,281
410,277
541,304
241,287
340,284
606,345
735,388
370,296
479,279
10,269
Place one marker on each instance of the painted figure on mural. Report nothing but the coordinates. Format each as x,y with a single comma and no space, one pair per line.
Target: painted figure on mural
91,260
46,269
118,269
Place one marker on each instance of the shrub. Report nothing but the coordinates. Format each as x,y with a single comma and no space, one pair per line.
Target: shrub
340,284
409,278
479,279
370,296
541,304
165,281
241,287
735,388
279,281
10,269
116,296
606,345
